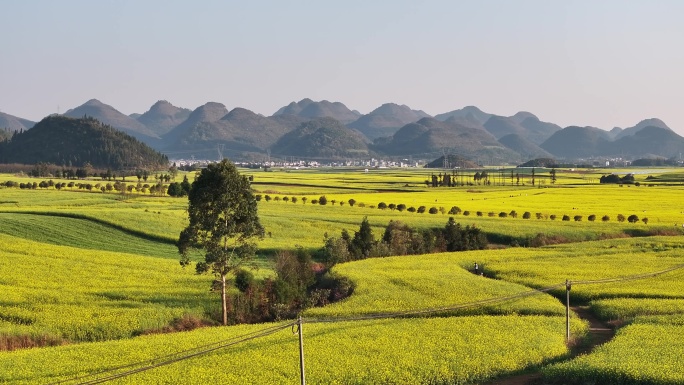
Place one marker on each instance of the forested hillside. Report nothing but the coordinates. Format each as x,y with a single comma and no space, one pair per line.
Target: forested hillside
69,142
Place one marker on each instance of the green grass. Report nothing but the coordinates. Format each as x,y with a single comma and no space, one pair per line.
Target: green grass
81,233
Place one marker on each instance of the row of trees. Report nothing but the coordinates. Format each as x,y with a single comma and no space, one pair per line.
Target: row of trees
454,210
401,239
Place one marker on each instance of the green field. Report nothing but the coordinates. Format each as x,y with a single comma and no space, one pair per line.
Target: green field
93,272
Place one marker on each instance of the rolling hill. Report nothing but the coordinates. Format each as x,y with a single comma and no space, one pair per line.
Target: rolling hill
12,123
386,120
431,136
110,116
577,142
234,133
470,112
629,131
309,109
70,142
323,138
649,141
163,116
524,147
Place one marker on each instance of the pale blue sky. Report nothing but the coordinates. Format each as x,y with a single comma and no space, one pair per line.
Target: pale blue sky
601,63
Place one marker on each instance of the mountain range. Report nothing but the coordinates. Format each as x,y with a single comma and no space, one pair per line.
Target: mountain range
330,130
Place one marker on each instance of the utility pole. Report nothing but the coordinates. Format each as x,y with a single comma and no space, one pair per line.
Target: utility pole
567,310
301,351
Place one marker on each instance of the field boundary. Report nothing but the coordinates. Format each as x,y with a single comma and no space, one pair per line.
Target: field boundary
136,233
106,375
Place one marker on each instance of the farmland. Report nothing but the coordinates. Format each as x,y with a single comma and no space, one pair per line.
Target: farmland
102,268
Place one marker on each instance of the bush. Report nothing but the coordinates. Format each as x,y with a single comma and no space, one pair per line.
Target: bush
382,205
513,214
411,209
466,213
577,218
322,200
527,215
455,210
553,217
633,218
566,217
539,215
503,214
605,218
433,210
421,209
351,202
645,220
243,280
591,218
479,213
401,207
491,214
621,218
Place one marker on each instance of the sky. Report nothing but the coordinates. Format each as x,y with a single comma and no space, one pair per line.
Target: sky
588,63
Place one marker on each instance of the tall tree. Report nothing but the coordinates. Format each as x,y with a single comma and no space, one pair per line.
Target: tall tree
223,223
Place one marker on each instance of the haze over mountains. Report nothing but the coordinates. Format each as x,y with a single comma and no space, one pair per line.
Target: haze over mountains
330,130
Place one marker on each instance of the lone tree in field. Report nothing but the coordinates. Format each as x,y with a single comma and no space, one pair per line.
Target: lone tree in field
223,222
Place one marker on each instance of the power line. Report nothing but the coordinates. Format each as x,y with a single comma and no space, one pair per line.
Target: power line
208,348
174,357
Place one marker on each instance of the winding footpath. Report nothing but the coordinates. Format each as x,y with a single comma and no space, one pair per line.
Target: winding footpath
599,333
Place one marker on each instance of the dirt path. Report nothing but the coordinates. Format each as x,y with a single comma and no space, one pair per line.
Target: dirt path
599,333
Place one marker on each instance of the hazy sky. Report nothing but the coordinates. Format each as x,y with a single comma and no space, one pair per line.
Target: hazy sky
600,63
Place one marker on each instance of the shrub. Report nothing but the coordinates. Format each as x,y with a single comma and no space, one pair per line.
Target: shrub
433,210
527,215
491,214
392,206
382,205
322,200
466,213
566,217
503,214
577,218
621,218
479,213
591,218
421,209
513,214
633,218
411,209
314,201
243,280
401,207
553,217
605,218
455,210
539,215
645,220
442,210
351,202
